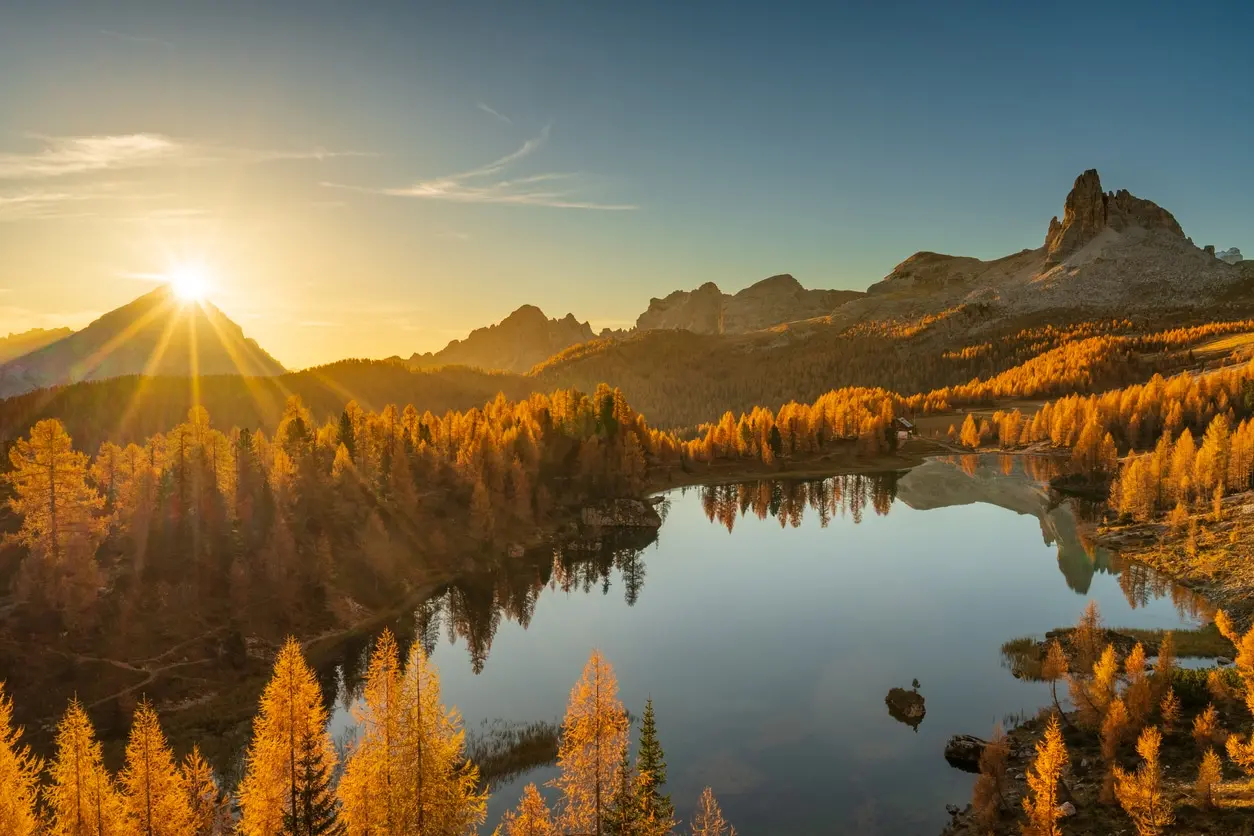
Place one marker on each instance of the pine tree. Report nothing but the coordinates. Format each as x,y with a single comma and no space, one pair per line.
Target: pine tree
1164,665
1140,793
1041,803
316,812
531,818
211,808
659,812
1114,727
594,734
1206,729
1053,669
82,798
153,791
291,717
625,815
19,777
1138,695
1169,708
708,819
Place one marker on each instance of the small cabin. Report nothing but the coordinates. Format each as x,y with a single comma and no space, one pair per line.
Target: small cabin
905,428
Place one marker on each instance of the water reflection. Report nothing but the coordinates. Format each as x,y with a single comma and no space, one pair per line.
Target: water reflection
787,501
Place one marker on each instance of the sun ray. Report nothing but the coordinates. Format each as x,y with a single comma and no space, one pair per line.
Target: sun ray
263,397
154,360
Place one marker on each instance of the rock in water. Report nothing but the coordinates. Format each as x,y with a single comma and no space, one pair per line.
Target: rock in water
620,513
906,706
963,752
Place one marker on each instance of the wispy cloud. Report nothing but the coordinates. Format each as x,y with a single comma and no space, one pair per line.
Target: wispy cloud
59,156
496,113
490,184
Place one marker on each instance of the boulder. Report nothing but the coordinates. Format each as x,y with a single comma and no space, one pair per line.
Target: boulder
620,513
963,752
1066,809
906,706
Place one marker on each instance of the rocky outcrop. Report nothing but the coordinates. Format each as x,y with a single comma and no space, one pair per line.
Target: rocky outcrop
521,340
620,513
963,752
906,707
1088,210
772,301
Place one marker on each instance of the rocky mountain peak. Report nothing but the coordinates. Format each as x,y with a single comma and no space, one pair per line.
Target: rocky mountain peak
1088,210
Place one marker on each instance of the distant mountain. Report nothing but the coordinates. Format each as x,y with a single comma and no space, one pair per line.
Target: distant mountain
1110,251
15,345
157,334
521,340
773,301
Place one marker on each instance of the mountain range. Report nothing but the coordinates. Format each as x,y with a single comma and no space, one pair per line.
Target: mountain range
156,334
1110,253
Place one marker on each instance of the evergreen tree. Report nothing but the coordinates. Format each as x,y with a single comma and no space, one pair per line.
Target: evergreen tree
348,436
625,816
19,778
659,812
153,791
315,812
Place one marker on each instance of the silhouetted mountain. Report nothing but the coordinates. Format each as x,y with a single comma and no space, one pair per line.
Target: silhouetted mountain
15,345
517,343
773,301
157,334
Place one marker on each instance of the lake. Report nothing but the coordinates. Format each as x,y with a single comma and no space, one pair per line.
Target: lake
768,620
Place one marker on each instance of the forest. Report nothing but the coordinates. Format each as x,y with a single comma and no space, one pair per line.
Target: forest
406,772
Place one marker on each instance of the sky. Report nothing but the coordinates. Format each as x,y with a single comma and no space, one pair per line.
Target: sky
369,179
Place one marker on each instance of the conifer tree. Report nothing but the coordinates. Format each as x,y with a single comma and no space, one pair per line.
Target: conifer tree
708,819
1164,665
289,744
153,791
82,798
1140,793
659,812
1169,708
1138,696
19,777
1206,729
531,818
1114,726
1053,669
372,792
315,812
1209,774
1041,803
439,783
594,734
625,816
988,798
210,806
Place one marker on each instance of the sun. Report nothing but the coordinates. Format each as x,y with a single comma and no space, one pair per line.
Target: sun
190,282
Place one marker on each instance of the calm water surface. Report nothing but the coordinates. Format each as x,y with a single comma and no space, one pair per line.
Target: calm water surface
769,620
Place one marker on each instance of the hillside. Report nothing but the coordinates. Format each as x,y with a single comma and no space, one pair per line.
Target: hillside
770,302
157,334
15,345
515,344
127,408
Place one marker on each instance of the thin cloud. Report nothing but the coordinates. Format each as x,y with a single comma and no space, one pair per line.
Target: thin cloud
497,114
486,184
60,156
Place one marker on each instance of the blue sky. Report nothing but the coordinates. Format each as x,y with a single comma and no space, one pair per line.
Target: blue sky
377,178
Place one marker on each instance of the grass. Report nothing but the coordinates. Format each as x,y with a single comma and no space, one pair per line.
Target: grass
1204,642
1224,345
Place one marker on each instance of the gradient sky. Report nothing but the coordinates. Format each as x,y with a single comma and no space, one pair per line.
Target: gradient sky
367,179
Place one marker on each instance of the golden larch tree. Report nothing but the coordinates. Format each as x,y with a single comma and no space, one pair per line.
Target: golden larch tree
708,819
1209,774
439,783
594,736
1114,727
988,798
82,798
291,714
210,806
1138,695
1140,793
153,791
1041,802
372,792
19,777
530,818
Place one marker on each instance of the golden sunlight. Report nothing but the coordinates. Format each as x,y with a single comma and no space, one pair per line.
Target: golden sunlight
190,282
